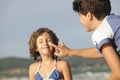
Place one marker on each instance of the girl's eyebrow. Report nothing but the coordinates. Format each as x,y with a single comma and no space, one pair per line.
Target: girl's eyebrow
40,39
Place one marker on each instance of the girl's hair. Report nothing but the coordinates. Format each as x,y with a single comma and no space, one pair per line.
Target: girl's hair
33,40
99,8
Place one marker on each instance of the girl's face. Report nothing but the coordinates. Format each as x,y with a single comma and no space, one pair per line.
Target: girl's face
43,44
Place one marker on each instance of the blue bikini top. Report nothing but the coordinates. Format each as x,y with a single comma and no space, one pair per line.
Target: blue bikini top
55,75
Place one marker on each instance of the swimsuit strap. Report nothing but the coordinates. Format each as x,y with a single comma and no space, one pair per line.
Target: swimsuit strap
55,64
39,66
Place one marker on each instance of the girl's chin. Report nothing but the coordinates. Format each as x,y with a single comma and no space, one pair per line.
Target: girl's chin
46,52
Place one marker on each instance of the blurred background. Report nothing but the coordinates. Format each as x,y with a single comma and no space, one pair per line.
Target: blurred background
19,18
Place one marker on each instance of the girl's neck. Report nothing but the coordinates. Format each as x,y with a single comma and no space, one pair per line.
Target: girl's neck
47,60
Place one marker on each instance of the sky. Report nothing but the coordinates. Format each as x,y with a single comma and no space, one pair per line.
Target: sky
19,18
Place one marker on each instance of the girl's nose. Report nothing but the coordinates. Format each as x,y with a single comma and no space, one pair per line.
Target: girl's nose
45,42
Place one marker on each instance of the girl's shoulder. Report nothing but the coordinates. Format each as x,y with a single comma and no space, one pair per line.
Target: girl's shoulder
62,63
34,65
33,68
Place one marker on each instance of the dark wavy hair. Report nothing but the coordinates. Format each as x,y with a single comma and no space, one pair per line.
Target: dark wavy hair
99,8
32,42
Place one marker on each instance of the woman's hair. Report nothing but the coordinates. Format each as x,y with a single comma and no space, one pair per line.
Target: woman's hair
99,8
33,40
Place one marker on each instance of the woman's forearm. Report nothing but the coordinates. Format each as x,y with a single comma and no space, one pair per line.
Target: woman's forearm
85,53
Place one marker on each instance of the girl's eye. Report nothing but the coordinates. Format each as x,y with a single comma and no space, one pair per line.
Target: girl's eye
40,41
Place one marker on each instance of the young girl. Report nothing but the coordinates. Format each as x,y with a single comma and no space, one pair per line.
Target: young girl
46,67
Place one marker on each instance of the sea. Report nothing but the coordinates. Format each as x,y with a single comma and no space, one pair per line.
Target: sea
81,76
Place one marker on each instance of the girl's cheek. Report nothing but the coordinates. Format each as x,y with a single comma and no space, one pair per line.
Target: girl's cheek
39,46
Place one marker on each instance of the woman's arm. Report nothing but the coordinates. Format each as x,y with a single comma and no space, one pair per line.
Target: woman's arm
63,50
85,53
112,60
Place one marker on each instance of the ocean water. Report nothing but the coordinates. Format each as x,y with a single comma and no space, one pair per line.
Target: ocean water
15,78
80,76
92,76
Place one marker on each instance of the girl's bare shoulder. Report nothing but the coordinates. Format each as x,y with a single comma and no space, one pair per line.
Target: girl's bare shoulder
62,63
34,65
